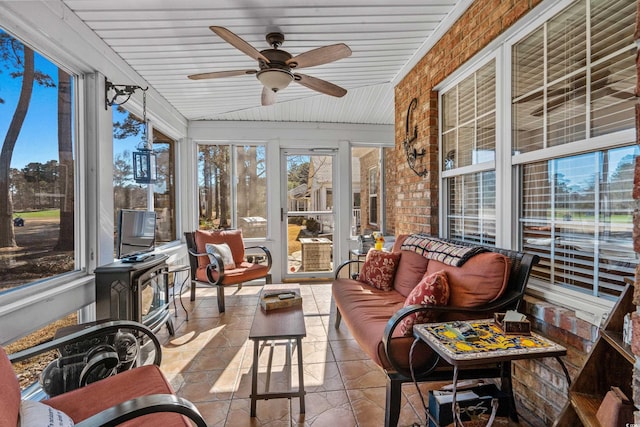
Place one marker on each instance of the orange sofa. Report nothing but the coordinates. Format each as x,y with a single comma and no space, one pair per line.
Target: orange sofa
491,281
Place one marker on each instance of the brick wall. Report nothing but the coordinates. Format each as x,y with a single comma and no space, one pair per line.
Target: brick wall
540,385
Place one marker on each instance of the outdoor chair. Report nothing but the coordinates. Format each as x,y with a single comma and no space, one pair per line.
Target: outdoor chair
218,258
116,381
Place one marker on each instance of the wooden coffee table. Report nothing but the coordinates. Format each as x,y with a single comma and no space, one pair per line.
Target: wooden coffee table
274,325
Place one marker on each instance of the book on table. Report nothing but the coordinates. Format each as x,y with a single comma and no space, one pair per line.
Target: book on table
272,299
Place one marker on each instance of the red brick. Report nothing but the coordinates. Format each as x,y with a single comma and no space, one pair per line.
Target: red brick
636,177
635,341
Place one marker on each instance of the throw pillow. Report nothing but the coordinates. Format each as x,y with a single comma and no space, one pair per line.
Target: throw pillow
379,268
34,413
433,289
224,251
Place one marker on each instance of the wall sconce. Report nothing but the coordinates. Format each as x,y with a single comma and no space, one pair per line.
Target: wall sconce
145,165
410,150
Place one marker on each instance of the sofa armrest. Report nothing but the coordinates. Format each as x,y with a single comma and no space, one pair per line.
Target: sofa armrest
266,251
345,264
144,405
100,329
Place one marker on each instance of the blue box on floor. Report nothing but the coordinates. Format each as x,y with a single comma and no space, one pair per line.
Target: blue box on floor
441,411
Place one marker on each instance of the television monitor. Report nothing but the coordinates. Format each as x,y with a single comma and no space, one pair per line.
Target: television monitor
136,233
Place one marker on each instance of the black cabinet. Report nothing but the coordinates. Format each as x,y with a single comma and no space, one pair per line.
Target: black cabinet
134,291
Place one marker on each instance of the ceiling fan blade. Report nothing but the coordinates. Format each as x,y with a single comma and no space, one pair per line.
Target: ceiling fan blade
268,96
239,43
319,56
218,74
320,85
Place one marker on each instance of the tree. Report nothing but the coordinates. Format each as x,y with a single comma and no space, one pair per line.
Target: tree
65,167
19,60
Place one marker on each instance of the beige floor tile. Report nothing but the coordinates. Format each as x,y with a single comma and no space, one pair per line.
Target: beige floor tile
347,350
358,374
281,379
271,413
209,359
369,408
330,408
214,413
320,377
209,385
223,336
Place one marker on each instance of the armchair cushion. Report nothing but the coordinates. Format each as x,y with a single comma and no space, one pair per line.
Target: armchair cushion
233,238
245,272
9,392
34,413
146,380
224,251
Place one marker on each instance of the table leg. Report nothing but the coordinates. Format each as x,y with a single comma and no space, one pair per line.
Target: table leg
300,375
254,378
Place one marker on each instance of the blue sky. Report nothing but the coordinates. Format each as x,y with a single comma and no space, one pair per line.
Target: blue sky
38,139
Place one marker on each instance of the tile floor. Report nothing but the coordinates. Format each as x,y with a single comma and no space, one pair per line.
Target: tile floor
208,362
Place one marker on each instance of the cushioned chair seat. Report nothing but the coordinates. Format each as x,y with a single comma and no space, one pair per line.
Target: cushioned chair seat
245,272
143,381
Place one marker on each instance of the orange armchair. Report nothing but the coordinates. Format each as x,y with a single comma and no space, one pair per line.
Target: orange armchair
209,267
140,396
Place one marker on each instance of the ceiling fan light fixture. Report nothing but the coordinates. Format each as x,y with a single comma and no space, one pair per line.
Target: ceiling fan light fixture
275,79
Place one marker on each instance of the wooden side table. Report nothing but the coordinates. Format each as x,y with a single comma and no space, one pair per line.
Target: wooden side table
492,347
278,324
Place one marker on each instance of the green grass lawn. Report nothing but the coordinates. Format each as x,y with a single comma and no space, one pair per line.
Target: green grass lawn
46,214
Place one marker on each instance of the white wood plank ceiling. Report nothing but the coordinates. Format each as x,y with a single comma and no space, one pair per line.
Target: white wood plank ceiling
166,40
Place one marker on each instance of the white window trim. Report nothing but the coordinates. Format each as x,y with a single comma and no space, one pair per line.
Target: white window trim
587,307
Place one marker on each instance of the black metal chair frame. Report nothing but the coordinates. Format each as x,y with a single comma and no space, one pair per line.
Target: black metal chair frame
218,266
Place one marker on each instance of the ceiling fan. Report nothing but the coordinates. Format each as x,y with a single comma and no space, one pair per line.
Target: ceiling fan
276,65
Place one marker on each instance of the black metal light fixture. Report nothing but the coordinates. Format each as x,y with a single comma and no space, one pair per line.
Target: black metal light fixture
409,148
145,165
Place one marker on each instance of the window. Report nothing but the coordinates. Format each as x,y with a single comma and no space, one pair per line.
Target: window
373,196
127,194
567,187
573,81
233,203
577,216
469,139
37,191
472,207
370,181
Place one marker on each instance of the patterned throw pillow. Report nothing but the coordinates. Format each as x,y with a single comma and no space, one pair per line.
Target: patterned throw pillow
433,289
379,268
33,413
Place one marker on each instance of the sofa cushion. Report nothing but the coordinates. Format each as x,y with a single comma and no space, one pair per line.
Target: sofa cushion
368,310
410,271
146,380
379,268
233,238
433,289
480,280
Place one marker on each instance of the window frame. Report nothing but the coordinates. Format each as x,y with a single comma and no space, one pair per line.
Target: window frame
233,187
590,308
